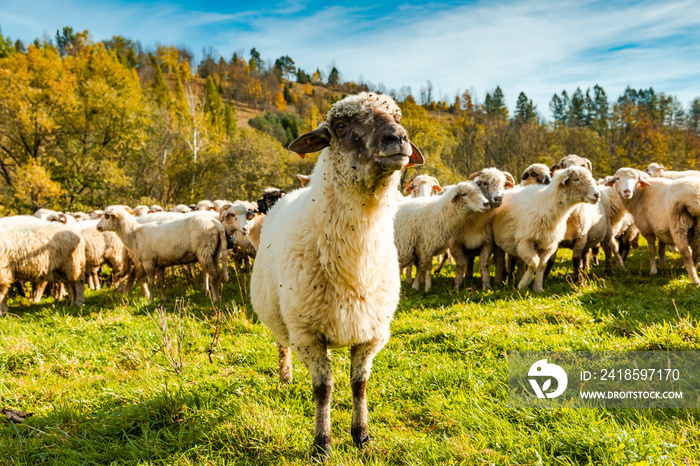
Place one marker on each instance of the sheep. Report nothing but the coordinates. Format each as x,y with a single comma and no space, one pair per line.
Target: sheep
239,219
532,220
586,226
422,186
424,225
43,214
326,274
140,210
665,209
475,231
19,222
181,209
46,253
205,205
79,216
656,170
537,173
96,214
219,203
269,198
156,245
155,208
101,248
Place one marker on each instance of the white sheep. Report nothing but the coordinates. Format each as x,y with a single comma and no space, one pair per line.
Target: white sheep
140,210
656,170
586,226
422,186
19,222
424,225
205,205
50,252
475,231
326,274
181,209
156,245
665,209
532,220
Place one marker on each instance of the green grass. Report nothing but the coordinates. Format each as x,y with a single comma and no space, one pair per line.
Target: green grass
103,392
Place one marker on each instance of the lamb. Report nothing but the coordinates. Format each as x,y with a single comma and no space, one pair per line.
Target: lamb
537,173
43,214
156,245
665,209
20,222
424,225
239,220
656,170
326,274
50,252
101,248
532,220
141,210
219,203
422,186
475,231
155,208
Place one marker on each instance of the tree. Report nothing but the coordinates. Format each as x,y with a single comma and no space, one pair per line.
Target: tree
495,104
559,111
70,43
255,63
286,65
333,78
213,105
577,109
161,91
7,48
525,110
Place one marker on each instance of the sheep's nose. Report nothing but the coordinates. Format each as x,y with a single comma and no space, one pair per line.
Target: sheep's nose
596,196
626,191
497,200
392,139
546,180
487,204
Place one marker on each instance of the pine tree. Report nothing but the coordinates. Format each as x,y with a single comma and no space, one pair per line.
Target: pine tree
161,91
333,78
213,105
525,110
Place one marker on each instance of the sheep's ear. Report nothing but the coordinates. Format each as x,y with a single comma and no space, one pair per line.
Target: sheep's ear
437,188
455,198
661,167
474,175
610,182
311,142
408,188
643,183
510,181
416,157
589,165
128,209
303,179
565,179
553,169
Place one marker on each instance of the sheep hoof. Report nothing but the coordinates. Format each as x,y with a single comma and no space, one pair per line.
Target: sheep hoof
321,453
360,437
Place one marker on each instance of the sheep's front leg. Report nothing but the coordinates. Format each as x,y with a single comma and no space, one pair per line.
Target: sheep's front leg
662,253
679,230
616,251
361,357
539,271
527,253
576,255
316,357
409,273
419,274
4,308
460,265
160,271
484,256
651,244
38,291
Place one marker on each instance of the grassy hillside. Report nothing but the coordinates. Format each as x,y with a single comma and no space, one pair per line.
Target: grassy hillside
103,392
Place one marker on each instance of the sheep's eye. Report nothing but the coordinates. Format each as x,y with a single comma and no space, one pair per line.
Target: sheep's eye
340,126
478,183
577,180
106,215
250,216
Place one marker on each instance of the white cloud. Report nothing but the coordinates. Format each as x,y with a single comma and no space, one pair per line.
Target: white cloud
539,47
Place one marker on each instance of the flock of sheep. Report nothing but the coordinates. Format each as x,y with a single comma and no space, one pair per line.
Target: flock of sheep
327,263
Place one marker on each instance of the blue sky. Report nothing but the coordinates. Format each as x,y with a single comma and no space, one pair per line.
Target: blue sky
536,46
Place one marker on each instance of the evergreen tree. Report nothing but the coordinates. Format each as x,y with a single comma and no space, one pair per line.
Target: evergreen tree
577,109
256,62
333,78
558,109
525,110
496,104
213,105
161,91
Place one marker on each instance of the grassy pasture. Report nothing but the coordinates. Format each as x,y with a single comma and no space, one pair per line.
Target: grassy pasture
103,391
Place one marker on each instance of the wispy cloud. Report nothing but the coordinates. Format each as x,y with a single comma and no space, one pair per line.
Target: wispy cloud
539,47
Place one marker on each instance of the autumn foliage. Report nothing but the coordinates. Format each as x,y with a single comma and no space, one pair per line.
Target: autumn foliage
85,124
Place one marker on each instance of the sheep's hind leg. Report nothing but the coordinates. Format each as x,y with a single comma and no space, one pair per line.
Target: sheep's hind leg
361,357
284,354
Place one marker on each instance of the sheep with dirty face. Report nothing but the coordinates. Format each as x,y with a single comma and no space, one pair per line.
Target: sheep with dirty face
424,225
532,220
475,231
326,274
537,173
269,198
196,237
665,209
